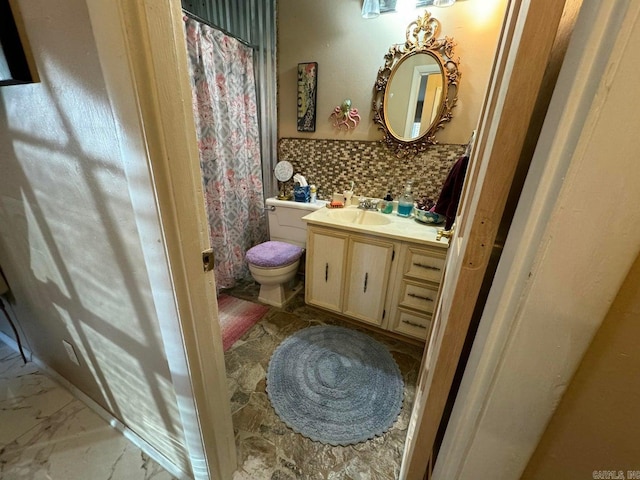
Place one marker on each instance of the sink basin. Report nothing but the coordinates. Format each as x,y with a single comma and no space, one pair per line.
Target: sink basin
359,217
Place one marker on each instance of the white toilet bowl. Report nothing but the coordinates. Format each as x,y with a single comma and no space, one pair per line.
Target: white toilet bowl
276,283
274,266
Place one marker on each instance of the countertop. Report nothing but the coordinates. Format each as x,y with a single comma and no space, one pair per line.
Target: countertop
398,228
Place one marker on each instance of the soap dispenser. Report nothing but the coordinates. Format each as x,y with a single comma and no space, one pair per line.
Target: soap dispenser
405,202
386,204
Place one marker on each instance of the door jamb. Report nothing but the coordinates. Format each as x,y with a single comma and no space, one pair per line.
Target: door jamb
526,50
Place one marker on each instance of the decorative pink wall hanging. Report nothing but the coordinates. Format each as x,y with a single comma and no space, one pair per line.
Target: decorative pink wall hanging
344,116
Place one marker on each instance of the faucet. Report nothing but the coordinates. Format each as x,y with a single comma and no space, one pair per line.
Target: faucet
367,204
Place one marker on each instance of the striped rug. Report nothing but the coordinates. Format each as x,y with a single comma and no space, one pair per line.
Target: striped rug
236,317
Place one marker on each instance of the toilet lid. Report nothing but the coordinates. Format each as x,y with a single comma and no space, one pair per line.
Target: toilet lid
273,254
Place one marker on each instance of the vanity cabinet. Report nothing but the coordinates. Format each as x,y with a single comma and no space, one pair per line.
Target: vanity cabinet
348,273
376,280
417,285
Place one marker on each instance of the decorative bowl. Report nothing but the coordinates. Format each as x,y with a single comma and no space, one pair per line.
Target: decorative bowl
425,216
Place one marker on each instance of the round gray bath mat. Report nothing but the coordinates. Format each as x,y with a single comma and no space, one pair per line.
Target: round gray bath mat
335,385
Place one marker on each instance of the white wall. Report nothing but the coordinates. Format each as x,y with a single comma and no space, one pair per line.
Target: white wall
590,429
69,242
350,50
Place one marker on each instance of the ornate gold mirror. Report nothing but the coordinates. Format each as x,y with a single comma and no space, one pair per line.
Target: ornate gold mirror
417,88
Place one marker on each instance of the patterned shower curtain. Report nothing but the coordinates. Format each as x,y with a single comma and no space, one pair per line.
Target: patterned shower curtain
225,111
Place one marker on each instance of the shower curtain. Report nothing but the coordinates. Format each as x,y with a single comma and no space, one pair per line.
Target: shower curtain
225,111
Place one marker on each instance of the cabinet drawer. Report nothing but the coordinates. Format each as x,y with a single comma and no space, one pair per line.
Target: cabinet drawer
418,296
412,323
424,264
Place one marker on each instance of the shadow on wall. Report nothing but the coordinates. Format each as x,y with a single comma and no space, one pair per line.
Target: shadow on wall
69,243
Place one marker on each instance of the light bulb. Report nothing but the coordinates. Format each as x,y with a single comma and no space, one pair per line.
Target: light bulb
370,8
443,3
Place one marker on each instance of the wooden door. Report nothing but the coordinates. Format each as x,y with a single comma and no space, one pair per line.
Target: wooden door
367,279
531,50
141,51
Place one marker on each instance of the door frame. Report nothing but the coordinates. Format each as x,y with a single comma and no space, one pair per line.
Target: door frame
530,52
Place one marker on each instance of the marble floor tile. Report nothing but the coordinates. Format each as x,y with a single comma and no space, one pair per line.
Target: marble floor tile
26,396
266,447
47,434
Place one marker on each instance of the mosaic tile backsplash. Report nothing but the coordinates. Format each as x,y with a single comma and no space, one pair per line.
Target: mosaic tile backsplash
332,164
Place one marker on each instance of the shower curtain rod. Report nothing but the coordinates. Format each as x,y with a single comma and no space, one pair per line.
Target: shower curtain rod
213,25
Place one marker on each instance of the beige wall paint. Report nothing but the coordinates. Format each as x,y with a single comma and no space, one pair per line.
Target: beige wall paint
69,241
350,50
594,426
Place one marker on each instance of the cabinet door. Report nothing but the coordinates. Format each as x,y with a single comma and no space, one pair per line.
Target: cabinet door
325,269
368,277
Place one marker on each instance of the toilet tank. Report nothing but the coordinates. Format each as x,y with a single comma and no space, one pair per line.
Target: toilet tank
285,220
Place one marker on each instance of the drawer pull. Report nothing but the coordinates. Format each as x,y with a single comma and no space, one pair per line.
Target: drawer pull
428,267
420,297
413,324
366,280
326,272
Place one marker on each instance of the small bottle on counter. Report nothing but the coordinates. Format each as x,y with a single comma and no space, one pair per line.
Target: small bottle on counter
314,193
405,202
386,204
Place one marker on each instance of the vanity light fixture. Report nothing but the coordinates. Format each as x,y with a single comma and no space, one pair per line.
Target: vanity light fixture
370,9
443,3
373,8
435,3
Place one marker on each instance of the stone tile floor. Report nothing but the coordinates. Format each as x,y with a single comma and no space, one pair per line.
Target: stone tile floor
48,434
266,447
45,433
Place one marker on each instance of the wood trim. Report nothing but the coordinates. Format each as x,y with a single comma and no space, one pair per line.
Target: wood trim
527,41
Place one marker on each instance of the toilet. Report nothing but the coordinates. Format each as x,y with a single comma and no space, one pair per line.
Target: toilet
274,264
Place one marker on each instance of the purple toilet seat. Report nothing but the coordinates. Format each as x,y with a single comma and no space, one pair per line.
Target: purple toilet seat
273,254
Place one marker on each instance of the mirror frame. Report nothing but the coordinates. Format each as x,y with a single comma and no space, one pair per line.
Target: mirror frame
421,37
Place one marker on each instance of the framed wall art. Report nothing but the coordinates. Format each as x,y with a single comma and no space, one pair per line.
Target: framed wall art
307,94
